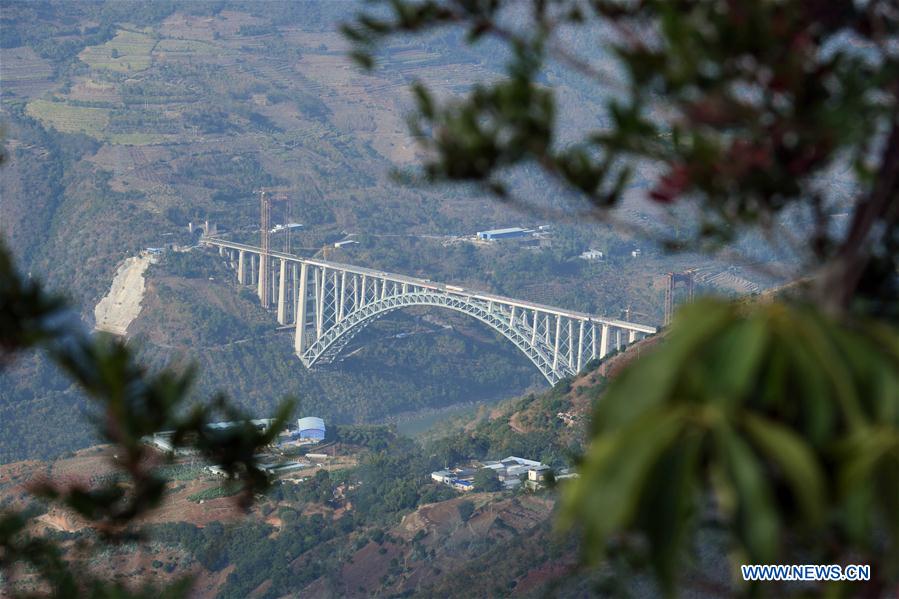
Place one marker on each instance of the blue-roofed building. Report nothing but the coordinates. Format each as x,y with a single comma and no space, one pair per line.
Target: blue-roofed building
311,427
461,485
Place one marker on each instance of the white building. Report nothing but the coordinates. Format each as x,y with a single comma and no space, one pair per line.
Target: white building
507,233
442,476
539,473
592,255
510,470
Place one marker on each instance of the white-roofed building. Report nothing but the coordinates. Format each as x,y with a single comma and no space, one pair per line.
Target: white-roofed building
311,427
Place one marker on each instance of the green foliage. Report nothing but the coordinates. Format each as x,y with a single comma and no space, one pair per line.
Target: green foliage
390,481
318,489
546,439
486,480
131,403
466,509
214,493
787,420
249,548
26,312
374,437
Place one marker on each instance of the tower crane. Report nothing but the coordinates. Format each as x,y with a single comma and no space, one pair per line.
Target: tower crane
266,196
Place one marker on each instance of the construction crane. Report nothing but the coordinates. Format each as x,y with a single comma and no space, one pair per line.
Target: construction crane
686,277
627,313
266,196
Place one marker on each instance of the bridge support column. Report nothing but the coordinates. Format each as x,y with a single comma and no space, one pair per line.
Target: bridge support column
252,269
618,339
534,329
273,288
604,344
580,347
593,352
282,293
570,344
294,290
299,337
556,344
241,267
261,280
632,336
321,282
341,296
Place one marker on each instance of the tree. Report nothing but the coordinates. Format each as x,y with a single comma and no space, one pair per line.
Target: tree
130,403
466,509
485,480
779,418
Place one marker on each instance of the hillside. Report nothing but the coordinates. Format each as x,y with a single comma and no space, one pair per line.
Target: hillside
369,521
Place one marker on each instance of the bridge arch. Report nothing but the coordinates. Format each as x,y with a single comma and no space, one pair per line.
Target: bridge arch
337,335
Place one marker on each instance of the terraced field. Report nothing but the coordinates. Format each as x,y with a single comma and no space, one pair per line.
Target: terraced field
185,47
128,51
24,73
70,119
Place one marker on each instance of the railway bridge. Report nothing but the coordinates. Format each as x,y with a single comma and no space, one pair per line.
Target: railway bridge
328,303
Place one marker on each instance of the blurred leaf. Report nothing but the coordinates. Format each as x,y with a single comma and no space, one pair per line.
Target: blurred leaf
763,429
28,315
616,467
756,521
795,460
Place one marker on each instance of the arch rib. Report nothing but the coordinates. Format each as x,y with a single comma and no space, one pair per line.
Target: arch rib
332,340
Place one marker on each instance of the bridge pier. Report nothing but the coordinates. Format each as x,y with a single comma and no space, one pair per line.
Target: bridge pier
299,337
282,293
295,290
604,345
580,346
341,296
556,344
272,282
321,280
241,267
261,281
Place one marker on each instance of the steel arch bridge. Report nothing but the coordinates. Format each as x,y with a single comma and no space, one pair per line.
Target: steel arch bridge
328,303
